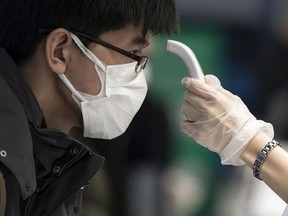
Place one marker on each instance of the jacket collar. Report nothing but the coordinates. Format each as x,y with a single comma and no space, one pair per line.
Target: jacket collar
15,134
15,80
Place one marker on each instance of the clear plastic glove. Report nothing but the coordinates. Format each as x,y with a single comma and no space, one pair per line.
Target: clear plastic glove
219,120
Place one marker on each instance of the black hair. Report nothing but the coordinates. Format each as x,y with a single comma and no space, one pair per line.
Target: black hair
20,20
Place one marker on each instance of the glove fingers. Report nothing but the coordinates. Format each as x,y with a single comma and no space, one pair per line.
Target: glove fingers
192,112
199,88
212,81
215,82
198,108
207,136
227,93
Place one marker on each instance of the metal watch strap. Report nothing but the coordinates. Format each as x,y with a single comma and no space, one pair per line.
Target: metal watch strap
261,157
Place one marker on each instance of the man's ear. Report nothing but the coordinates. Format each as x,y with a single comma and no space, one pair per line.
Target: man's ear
57,46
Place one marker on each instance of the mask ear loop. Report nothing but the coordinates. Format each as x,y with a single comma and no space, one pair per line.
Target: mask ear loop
69,85
100,67
88,53
76,95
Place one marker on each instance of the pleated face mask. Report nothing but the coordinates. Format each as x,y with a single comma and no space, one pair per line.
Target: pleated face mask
108,114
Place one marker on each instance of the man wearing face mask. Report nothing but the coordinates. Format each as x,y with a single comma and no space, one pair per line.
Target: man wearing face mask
67,64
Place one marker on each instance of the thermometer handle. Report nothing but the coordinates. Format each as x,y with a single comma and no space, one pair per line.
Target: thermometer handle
188,56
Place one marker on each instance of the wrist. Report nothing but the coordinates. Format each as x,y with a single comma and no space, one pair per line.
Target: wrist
262,156
251,131
253,148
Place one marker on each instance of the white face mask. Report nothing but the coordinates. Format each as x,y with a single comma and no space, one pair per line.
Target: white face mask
108,114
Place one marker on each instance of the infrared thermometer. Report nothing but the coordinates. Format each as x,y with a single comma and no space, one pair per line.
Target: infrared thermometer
188,56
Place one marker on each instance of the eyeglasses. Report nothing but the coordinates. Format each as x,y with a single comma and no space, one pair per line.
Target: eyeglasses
142,60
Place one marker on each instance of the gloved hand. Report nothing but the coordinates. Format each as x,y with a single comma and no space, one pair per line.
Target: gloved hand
219,120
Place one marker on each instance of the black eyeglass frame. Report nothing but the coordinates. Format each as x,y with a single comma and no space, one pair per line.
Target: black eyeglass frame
142,60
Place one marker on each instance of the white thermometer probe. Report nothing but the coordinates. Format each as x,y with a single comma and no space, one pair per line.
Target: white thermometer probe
189,58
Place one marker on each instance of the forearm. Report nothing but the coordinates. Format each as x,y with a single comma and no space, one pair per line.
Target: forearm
274,171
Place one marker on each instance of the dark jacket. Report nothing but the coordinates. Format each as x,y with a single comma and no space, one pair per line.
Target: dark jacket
43,168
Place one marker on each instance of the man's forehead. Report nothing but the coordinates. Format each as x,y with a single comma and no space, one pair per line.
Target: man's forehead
129,35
